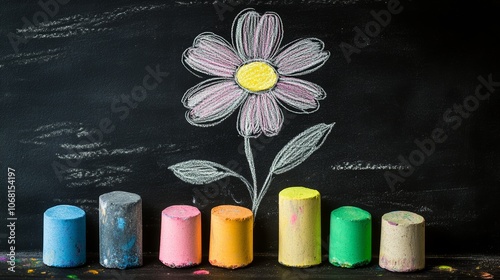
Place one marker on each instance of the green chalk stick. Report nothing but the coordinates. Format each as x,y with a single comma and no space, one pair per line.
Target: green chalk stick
350,237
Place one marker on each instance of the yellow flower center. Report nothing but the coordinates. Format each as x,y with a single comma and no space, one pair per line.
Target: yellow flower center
256,76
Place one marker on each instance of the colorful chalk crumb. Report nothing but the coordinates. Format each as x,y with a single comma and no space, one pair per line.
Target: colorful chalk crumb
486,275
446,268
92,271
201,272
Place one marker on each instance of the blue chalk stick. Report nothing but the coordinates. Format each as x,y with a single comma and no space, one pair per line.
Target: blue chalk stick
64,243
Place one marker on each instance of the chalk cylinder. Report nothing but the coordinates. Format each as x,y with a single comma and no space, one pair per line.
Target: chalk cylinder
120,230
350,237
231,236
64,238
402,242
299,243
180,241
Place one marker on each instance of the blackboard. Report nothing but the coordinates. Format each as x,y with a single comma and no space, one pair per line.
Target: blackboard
68,76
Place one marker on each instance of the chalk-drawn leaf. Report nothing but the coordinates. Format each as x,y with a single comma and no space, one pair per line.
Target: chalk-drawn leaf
201,172
300,148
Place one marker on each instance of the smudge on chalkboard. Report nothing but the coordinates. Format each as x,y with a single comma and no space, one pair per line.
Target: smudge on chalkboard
44,133
56,125
82,24
83,154
79,173
32,57
361,165
102,152
274,2
83,146
424,209
75,200
71,143
99,182
86,204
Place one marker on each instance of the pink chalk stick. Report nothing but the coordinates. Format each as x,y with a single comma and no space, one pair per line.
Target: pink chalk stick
180,241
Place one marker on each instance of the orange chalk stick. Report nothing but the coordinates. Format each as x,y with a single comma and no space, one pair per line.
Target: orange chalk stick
231,236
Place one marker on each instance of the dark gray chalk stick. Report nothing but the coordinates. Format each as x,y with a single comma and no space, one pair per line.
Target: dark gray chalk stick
120,230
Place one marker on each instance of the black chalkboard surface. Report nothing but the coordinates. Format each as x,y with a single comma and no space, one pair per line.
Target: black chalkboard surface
412,86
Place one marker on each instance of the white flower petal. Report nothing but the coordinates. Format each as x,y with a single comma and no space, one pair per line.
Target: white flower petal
243,33
268,35
260,114
271,116
248,120
256,36
212,55
298,96
212,101
301,57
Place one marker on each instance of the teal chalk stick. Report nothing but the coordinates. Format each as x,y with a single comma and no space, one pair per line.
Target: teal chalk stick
350,237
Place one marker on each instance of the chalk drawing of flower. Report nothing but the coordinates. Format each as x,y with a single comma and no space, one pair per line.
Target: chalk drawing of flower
253,74
256,76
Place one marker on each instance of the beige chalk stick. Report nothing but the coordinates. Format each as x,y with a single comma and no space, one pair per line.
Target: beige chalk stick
299,227
402,242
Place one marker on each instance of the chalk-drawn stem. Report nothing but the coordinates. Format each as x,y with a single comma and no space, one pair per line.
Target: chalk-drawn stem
251,165
263,191
247,184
